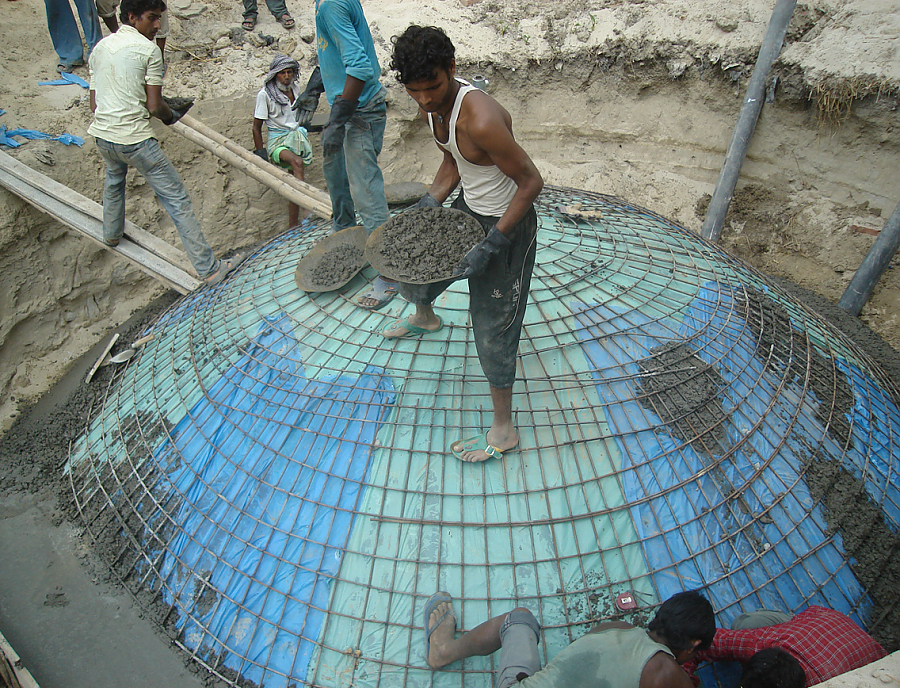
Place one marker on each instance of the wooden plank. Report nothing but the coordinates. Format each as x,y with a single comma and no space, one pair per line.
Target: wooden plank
318,195
89,226
12,669
106,350
53,188
301,193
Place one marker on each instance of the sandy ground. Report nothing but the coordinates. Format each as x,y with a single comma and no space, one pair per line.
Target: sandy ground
635,99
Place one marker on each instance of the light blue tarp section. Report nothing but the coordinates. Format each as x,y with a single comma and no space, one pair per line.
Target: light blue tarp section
683,537
271,465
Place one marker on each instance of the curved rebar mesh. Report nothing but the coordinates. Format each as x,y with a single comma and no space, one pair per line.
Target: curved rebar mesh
275,476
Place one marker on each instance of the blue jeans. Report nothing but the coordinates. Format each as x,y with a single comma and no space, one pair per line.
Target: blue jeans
64,30
278,8
353,177
148,159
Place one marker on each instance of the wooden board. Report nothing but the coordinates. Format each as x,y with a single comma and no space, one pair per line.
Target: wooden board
152,255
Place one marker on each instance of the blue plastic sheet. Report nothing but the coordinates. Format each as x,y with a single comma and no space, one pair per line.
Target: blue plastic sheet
273,465
682,535
66,79
7,140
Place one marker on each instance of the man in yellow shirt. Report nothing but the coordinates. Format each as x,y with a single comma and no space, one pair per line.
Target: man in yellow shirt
126,90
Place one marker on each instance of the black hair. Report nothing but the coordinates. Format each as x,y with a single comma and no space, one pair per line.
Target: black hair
683,618
773,668
419,52
138,7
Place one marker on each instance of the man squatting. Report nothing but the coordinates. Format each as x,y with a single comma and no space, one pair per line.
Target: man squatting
287,144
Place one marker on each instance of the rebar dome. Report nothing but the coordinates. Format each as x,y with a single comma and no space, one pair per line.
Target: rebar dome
274,479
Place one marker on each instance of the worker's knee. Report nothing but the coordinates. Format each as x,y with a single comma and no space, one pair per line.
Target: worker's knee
521,617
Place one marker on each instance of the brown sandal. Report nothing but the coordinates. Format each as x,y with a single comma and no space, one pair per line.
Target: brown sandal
287,21
248,24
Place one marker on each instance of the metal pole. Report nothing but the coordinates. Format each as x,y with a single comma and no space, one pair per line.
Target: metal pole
743,130
873,266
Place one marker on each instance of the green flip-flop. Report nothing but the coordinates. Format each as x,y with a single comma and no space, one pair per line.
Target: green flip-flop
411,330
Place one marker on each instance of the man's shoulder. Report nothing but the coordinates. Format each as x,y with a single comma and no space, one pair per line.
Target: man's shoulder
123,38
338,7
662,671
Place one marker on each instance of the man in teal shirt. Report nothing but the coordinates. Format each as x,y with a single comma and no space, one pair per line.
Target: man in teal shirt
349,74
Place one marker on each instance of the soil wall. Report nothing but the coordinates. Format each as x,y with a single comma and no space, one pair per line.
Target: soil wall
636,100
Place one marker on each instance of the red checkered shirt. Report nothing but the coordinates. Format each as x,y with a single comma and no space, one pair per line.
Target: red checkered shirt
825,642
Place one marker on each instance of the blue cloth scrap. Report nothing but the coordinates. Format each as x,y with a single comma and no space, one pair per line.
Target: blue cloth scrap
65,79
2,111
7,140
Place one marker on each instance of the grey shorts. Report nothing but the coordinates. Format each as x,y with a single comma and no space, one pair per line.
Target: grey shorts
519,637
496,299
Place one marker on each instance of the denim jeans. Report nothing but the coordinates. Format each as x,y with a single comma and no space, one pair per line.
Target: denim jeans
64,30
278,8
353,177
148,159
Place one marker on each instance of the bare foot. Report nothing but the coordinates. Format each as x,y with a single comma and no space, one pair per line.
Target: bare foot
442,635
503,440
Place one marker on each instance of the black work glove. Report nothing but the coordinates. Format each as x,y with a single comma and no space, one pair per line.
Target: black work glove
306,103
179,107
262,153
333,134
428,201
476,260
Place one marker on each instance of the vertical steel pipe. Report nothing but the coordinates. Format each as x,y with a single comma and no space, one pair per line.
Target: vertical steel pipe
743,131
873,266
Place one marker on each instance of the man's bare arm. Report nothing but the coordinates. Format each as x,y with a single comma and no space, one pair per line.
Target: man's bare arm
445,179
156,105
257,133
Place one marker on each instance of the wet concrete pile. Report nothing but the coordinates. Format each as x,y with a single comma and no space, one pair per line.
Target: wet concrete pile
787,353
426,244
337,265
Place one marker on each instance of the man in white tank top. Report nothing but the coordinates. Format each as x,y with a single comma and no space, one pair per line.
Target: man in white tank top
499,185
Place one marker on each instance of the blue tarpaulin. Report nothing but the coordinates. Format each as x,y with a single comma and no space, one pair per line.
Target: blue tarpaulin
698,537
6,137
271,465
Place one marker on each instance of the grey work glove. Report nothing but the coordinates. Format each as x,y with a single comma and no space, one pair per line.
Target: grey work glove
476,260
428,201
262,153
306,103
179,107
333,134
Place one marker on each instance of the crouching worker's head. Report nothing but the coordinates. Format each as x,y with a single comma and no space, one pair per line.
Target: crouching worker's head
143,15
685,623
772,668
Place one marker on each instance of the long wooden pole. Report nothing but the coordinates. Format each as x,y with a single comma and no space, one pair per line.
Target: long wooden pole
303,194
